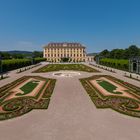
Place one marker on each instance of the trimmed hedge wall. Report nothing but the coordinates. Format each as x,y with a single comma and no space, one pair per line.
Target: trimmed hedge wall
12,64
38,60
122,64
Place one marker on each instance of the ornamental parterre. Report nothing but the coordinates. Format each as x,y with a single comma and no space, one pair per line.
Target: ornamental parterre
108,92
25,94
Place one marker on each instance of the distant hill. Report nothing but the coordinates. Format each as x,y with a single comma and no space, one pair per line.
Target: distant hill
92,54
19,52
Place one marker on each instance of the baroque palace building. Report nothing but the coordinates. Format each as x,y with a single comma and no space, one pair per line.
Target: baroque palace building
62,52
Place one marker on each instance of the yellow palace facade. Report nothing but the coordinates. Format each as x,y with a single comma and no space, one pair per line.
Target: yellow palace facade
62,52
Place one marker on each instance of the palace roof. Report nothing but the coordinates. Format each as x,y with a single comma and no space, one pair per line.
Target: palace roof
64,45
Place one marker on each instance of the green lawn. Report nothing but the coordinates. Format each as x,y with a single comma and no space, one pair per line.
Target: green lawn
108,86
57,67
28,88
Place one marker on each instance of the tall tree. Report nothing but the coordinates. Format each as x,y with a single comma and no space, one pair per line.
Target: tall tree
38,54
132,51
105,53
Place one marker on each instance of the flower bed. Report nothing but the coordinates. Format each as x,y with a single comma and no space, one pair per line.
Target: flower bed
58,67
19,105
125,105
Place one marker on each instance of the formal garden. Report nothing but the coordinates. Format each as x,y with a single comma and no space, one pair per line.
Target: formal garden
24,95
108,92
58,67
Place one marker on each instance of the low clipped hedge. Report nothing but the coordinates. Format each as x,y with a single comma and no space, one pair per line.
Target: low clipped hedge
122,64
38,60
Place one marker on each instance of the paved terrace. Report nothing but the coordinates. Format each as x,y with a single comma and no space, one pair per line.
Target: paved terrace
71,115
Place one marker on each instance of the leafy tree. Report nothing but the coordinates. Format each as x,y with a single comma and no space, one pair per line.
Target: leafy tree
117,53
17,56
65,59
37,54
5,55
105,53
132,51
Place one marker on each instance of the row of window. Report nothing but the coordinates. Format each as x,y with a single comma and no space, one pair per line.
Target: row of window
63,55
64,50
61,44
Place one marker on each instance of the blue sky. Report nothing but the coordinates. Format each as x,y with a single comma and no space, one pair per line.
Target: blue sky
98,24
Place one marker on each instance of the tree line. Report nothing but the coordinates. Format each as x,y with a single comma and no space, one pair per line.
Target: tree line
127,53
20,55
118,58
